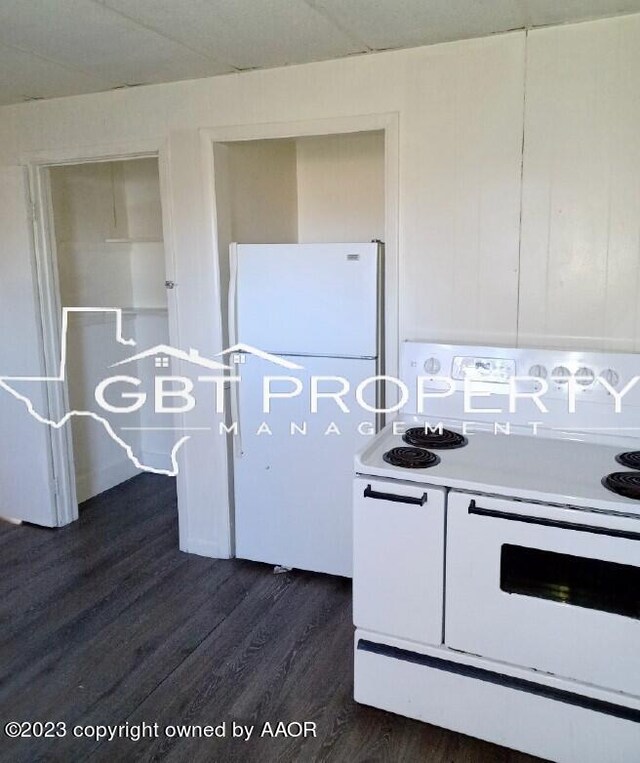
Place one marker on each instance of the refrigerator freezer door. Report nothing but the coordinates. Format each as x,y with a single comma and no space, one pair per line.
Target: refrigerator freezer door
311,299
293,492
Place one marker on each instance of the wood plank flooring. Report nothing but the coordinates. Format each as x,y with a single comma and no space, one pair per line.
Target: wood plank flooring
106,622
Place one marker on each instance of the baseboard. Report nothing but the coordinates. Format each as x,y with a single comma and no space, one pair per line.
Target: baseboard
95,482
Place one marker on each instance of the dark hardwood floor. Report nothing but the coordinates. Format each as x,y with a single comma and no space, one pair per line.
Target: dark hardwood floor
105,622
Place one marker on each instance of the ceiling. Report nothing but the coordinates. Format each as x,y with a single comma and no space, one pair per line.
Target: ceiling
51,48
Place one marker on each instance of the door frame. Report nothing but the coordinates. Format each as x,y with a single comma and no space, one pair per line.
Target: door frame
48,292
389,124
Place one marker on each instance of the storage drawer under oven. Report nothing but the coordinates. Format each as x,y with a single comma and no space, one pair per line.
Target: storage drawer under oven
550,588
398,559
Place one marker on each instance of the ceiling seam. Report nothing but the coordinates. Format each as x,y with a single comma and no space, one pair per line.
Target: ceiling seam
326,14
158,33
47,59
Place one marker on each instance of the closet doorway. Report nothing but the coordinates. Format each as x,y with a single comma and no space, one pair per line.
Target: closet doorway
107,265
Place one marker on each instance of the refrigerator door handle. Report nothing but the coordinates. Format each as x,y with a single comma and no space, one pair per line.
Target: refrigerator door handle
232,326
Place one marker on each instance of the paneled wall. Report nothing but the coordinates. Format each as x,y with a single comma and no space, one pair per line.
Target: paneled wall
460,117
465,271
580,260
460,209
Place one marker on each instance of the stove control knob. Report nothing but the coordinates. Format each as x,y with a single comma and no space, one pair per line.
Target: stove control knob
585,376
610,376
432,366
560,374
538,371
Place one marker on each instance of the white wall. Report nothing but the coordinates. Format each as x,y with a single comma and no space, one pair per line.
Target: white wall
262,188
140,192
99,462
108,227
461,116
310,189
89,211
580,277
256,198
152,328
340,187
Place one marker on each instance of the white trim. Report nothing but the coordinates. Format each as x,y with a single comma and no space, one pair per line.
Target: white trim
391,251
388,122
302,128
61,455
110,152
223,546
185,508
39,163
236,442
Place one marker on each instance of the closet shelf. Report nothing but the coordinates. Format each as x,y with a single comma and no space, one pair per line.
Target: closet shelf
133,241
145,310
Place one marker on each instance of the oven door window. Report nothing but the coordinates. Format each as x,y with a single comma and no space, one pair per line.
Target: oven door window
582,582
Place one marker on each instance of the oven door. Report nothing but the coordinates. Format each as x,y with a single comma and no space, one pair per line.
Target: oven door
550,588
398,559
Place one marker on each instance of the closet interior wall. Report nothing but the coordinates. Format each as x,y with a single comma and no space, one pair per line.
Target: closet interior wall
109,252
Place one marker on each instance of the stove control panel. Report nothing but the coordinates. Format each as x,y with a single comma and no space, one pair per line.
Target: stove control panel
481,369
571,391
591,373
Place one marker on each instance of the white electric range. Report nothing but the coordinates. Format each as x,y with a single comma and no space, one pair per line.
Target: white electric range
497,550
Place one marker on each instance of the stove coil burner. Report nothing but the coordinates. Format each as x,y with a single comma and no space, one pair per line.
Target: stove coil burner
411,458
444,439
630,459
626,484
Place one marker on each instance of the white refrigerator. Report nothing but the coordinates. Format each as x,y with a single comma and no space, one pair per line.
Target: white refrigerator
317,307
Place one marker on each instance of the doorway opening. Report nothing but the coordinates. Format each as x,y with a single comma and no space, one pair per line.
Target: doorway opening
107,251
297,190
310,184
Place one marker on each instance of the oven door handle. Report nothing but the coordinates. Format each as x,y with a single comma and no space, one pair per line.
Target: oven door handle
546,522
417,501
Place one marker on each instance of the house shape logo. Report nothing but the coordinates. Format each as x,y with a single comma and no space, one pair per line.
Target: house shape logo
240,351
162,354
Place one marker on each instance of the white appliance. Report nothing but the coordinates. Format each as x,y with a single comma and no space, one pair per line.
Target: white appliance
318,307
497,553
